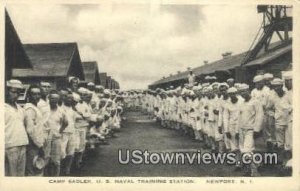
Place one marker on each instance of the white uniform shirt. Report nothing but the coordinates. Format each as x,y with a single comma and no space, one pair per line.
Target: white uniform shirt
44,107
15,133
231,116
71,116
34,124
251,115
282,110
55,122
85,110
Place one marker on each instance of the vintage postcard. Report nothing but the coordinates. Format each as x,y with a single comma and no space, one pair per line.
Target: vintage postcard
109,95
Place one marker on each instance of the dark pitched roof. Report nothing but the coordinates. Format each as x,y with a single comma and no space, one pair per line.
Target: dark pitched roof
276,49
48,59
91,71
15,56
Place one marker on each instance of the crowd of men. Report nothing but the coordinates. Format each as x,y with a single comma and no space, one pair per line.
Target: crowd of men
50,134
228,116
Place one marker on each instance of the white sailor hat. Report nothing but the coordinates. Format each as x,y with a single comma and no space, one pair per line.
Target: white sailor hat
90,84
287,75
213,77
215,85
73,78
209,89
243,87
106,91
99,87
237,85
171,87
205,84
207,78
230,80
232,90
14,84
258,78
268,76
45,84
82,90
223,84
38,162
277,81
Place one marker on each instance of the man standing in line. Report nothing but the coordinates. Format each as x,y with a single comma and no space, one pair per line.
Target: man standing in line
249,125
230,82
288,80
282,113
68,135
57,123
230,119
269,112
82,124
44,107
15,134
35,130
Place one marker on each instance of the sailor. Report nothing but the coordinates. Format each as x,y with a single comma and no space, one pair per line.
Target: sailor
230,82
259,93
69,133
44,107
15,134
288,80
35,129
82,124
223,100
283,110
57,122
196,114
95,98
249,125
230,119
73,83
211,120
269,126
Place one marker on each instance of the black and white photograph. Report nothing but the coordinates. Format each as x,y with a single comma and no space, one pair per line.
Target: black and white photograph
120,89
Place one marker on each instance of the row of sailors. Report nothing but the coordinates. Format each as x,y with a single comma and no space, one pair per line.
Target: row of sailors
49,134
133,99
229,116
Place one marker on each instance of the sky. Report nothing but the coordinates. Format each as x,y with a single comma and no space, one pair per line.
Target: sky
138,44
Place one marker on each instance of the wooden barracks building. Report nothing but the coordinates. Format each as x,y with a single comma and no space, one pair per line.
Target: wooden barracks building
51,62
264,56
15,56
91,72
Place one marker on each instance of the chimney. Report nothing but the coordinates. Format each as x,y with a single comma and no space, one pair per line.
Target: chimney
226,54
171,74
205,62
188,68
163,77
